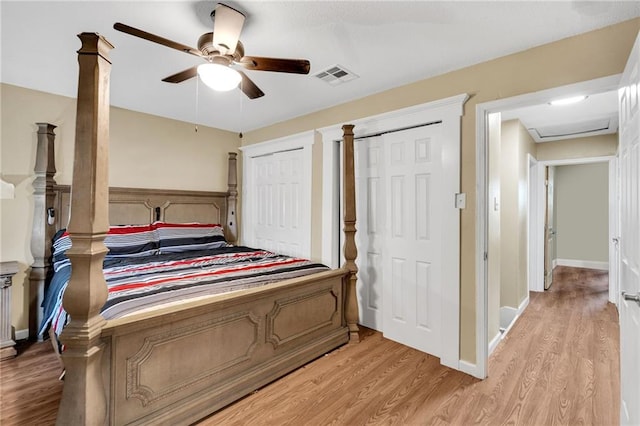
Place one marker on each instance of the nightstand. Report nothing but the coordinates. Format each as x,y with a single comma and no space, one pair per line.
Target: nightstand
7,271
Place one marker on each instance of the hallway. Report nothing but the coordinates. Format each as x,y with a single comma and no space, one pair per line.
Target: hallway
565,349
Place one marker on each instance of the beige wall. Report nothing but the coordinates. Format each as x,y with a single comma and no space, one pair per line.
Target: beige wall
551,184
592,146
316,201
588,56
516,146
582,212
526,148
509,213
145,151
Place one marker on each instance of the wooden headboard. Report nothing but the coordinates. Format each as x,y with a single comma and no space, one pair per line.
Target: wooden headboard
138,206
127,206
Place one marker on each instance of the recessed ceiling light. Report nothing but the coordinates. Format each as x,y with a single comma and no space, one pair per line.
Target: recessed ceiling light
568,101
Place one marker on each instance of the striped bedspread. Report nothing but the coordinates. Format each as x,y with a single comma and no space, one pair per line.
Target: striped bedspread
141,282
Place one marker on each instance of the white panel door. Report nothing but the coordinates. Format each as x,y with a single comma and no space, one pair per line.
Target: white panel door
549,228
278,206
412,264
629,151
263,217
370,203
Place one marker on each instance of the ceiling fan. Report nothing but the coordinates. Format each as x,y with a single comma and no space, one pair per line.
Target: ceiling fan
222,49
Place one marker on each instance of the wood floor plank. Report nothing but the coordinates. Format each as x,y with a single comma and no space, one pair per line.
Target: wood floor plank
557,366
29,387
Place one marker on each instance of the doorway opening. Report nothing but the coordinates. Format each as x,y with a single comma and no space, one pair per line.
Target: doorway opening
526,203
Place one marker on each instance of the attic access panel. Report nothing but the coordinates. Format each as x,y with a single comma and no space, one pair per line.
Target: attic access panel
573,130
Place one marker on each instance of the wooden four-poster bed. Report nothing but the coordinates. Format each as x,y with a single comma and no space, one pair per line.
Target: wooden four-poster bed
171,364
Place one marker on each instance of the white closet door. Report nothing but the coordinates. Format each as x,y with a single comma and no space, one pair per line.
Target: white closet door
412,269
370,202
400,207
264,223
278,205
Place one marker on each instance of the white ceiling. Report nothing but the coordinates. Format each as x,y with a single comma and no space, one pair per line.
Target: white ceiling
386,43
595,115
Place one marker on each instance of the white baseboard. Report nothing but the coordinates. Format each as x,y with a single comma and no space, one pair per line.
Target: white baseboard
554,263
523,305
590,264
505,313
494,342
22,334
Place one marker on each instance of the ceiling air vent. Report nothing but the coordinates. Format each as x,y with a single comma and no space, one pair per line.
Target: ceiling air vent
335,74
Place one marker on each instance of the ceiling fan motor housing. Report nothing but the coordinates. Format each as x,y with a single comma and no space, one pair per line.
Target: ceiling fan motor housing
205,45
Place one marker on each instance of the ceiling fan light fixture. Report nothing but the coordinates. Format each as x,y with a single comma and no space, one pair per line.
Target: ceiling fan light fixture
219,77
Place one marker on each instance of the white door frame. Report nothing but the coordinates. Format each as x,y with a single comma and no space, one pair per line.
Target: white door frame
482,112
538,285
448,111
534,239
614,230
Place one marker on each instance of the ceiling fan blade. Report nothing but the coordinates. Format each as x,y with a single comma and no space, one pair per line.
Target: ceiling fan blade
156,39
249,88
182,75
257,63
227,25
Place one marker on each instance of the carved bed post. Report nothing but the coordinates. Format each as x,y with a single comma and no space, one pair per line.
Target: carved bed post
350,249
232,214
83,397
42,233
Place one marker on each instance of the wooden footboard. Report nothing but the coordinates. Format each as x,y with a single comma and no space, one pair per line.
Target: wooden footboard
177,366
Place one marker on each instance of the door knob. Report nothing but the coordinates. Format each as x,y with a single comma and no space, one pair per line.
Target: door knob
634,297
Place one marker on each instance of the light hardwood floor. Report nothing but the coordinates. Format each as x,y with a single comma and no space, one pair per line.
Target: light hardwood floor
557,365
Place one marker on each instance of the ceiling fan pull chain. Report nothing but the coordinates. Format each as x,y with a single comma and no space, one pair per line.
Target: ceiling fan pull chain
197,102
241,109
